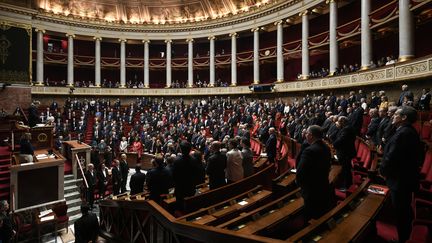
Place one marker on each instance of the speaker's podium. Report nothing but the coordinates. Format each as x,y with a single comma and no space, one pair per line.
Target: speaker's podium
39,182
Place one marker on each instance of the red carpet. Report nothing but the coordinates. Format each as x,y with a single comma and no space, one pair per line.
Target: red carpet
68,167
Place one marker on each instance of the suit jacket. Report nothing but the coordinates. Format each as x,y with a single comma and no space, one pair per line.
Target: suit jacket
116,176
137,183
186,174
345,143
271,146
216,165
86,228
101,177
402,158
91,179
373,129
159,181
313,169
124,169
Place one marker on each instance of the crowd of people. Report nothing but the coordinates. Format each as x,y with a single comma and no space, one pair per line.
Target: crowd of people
218,131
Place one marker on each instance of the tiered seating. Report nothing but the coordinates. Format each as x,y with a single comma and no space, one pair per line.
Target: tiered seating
88,137
5,162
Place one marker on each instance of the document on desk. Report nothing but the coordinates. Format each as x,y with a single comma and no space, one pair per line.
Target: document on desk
44,213
47,218
41,156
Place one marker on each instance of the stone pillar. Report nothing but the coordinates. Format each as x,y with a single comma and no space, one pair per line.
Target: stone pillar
70,63
212,61
366,40
122,63
40,58
279,52
146,63
305,45
168,63
97,61
406,31
334,47
190,63
233,59
256,74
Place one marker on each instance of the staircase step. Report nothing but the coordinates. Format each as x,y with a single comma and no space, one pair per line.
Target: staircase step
72,195
68,177
72,182
74,202
74,210
69,189
74,218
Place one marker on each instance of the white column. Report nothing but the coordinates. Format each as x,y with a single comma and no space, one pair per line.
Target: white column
233,59
366,40
97,61
190,62
168,63
256,74
70,64
146,63
212,60
334,47
122,63
305,45
279,52
406,31
39,58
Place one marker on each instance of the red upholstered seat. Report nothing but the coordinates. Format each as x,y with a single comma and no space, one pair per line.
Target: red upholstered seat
426,131
426,164
417,127
60,210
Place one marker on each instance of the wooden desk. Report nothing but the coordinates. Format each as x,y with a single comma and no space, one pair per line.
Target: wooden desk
38,182
72,148
46,223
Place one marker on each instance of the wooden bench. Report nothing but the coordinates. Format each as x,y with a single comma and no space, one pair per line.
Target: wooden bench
230,208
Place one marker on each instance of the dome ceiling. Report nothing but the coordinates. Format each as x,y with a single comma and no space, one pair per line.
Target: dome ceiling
150,11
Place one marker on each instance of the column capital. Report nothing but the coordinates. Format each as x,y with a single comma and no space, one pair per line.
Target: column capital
212,37
304,13
234,34
70,35
40,30
278,22
188,40
145,41
122,40
97,38
168,41
330,1
255,29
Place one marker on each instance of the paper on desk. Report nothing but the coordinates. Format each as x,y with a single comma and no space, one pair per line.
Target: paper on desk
43,213
47,218
41,156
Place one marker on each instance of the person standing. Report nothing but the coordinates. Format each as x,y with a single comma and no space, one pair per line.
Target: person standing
270,146
86,227
312,174
116,177
345,149
26,149
102,175
400,166
90,176
216,164
124,170
6,227
234,169
248,165
137,181
158,179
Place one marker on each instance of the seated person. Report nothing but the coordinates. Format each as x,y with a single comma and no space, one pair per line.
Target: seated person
26,149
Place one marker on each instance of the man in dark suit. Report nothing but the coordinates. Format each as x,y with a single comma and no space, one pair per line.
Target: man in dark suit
90,176
86,227
216,165
6,227
373,126
185,174
158,179
312,175
102,175
116,177
137,181
124,170
400,167
345,149
271,145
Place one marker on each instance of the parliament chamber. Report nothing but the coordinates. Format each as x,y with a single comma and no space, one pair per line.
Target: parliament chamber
215,121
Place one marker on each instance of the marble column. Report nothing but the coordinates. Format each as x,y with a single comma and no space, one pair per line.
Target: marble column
70,63
366,37
168,63
122,63
256,74
305,45
40,58
97,61
406,31
334,47
146,63
279,52
233,59
212,61
190,63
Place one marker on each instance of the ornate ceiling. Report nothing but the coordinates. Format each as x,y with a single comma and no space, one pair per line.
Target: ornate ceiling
150,11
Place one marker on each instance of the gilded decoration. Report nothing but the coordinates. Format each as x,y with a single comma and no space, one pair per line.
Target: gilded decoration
411,69
4,48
